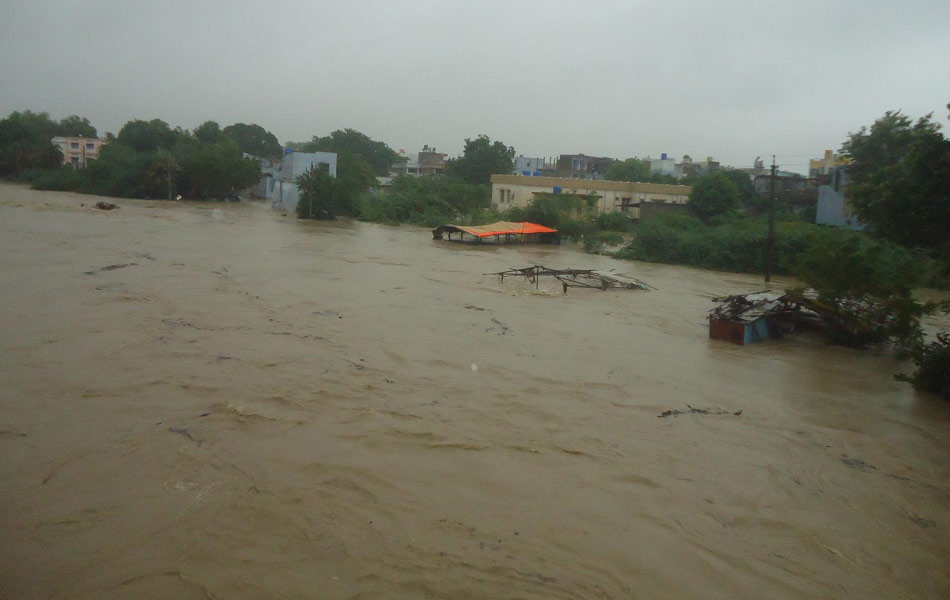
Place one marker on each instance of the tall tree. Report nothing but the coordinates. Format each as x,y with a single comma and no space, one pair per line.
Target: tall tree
713,194
899,180
632,169
74,125
377,154
481,159
254,140
25,143
209,132
146,136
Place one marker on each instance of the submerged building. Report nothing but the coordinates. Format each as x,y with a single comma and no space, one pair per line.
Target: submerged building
280,183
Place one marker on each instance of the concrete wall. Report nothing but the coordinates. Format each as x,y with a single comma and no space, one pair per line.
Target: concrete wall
833,208
510,191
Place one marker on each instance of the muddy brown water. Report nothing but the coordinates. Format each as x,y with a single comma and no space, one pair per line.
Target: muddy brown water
215,401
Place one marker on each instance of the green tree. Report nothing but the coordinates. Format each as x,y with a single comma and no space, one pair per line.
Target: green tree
208,132
147,136
76,126
377,154
632,169
25,143
481,159
218,171
254,140
713,194
747,196
899,180
319,195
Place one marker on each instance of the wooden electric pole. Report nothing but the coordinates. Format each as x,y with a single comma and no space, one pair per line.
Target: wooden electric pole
770,239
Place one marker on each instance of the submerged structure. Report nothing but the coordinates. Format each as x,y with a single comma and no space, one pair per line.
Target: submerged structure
499,232
587,278
747,318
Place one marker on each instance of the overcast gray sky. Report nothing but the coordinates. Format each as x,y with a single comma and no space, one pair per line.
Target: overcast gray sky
732,80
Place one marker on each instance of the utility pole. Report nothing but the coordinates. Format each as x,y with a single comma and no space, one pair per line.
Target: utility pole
770,239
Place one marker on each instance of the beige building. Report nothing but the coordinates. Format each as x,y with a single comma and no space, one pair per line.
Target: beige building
78,151
824,166
510,191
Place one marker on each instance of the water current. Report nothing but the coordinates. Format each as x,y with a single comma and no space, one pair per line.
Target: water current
218,401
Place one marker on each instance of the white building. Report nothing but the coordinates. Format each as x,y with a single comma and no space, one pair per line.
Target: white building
283,191
78,151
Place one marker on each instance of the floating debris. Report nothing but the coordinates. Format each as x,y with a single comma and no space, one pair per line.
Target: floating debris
106,206
697,411
587,278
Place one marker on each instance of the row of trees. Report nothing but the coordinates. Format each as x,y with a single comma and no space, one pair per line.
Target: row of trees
152,159
25,140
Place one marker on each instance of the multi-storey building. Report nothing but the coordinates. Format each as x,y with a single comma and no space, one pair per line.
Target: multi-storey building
78,151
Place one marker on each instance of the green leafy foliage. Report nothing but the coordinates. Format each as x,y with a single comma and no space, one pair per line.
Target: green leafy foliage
326,197
713,195
25,143
429,201
254,140
216,170
377,154
933,367
632,169
899,181
481,159
148,136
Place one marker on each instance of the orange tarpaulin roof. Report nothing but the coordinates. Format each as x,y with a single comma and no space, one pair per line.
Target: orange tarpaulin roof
503,227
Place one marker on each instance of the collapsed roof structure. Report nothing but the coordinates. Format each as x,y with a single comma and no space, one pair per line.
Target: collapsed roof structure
588,278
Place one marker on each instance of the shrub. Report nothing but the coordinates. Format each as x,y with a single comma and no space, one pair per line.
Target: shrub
933,367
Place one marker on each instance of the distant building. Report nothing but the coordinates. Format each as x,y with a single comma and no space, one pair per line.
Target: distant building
822,167
283,192
427,162
78,151
833,206
579,166
531,166
510,191
661,166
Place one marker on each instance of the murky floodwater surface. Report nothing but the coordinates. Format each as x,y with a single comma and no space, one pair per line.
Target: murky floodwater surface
214,401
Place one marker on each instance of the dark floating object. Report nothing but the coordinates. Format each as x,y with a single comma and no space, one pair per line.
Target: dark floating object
697,411
105,206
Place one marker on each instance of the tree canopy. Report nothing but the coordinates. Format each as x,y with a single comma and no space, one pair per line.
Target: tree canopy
377,154
713,194
146,136
25,140
481,159
254,140
899,180
632,169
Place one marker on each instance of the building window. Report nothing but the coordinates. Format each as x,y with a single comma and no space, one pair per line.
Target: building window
90,146
75,145
75,160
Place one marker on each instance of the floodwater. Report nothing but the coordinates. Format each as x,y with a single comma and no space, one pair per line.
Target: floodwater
215,401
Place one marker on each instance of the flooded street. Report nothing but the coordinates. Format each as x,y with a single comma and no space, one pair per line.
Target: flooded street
215,401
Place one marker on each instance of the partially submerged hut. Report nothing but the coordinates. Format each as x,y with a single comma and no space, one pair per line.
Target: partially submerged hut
500,232
748,318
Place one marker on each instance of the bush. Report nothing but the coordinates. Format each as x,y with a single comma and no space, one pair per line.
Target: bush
933,367
64,179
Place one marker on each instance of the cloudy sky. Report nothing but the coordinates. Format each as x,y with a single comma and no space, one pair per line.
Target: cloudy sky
732,80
